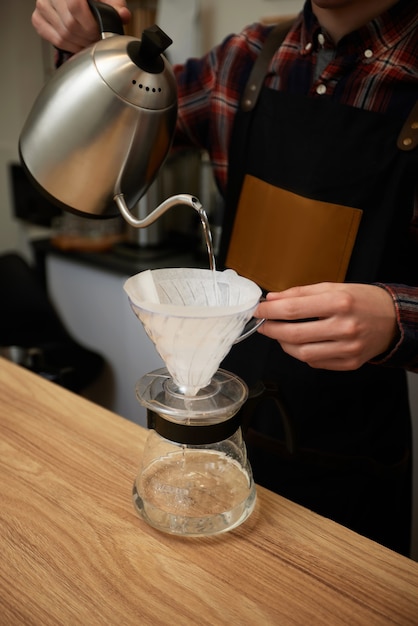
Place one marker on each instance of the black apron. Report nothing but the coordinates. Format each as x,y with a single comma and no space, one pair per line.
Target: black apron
336,442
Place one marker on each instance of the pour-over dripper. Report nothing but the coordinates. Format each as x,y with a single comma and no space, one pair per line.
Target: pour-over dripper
195,478
193,316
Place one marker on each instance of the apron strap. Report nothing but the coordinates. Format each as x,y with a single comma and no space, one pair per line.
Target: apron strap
239,136
260,67
408,137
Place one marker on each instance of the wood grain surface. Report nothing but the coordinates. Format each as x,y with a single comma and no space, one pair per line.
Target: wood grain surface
73,551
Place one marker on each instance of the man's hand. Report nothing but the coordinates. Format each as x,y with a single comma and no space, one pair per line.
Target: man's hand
343,325
69,24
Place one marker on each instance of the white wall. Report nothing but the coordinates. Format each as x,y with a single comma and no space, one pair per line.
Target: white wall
21,78
95,309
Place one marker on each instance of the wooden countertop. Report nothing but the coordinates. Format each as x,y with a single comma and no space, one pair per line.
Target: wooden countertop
73,551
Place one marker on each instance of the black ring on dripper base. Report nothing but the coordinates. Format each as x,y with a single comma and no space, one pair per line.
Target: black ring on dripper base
192,435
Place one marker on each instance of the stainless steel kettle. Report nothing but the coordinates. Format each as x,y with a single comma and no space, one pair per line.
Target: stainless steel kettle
102,126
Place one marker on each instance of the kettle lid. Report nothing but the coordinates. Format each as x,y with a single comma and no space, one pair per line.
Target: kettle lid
136,70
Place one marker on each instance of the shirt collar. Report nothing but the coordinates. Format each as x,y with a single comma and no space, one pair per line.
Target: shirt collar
378,35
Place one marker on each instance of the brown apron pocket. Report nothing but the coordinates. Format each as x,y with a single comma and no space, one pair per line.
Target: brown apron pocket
281,239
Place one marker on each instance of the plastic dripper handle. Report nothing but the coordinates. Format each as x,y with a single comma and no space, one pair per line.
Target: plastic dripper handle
250,328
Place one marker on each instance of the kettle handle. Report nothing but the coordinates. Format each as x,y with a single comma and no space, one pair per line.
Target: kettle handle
107,18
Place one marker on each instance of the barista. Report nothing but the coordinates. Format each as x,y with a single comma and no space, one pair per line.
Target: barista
319,211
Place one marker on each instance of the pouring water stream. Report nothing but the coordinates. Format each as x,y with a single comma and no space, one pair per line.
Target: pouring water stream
178,199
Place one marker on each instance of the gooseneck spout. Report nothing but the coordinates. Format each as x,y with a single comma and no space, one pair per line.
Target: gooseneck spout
182,198
179,199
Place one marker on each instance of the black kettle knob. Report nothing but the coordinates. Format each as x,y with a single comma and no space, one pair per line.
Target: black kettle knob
154,41
146,53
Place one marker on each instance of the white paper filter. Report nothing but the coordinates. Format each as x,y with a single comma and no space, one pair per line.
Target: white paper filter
193,316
